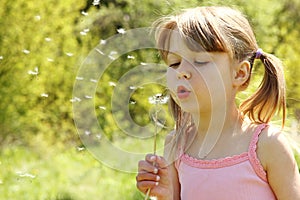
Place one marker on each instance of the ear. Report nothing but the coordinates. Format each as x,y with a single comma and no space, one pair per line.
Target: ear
241,74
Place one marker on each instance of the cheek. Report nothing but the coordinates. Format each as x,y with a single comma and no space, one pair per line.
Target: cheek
171,79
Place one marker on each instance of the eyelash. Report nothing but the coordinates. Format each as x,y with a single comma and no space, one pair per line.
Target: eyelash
175,65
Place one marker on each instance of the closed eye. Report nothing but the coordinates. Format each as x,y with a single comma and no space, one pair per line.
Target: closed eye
174,65
200,63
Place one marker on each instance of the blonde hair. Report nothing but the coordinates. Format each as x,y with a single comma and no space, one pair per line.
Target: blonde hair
223,29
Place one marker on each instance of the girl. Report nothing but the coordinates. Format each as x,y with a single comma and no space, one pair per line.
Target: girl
217,150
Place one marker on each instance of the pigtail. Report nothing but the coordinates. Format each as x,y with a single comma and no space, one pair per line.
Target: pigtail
270,96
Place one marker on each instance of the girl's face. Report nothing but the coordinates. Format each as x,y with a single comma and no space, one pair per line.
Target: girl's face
199,81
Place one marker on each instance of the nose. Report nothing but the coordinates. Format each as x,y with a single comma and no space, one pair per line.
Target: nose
183,70
184,74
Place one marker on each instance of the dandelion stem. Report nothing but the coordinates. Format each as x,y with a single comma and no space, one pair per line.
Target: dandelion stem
155,139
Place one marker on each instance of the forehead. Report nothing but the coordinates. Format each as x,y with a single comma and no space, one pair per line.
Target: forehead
178,46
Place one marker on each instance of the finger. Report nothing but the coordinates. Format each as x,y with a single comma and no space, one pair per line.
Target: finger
143,186
147,167
145,176
158,160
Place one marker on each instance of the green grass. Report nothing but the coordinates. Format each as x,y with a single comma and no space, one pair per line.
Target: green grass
48,173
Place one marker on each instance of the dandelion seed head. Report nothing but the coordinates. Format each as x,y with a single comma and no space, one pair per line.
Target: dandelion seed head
47,39
93,80
1,57
142,63
158,99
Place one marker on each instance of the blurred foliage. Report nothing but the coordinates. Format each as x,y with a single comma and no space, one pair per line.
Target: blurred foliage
44,43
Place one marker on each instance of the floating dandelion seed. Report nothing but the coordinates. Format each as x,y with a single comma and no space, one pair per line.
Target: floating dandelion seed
1,57
142,63
102,42
100,52
47,39
112,54
86,30
132,102
96,2
50,59
34,72
102,107
132,87
130,57
26,51
80,148
113,84
21,174
44,95
79,78
88,97
83,33
84,13
87,132
69,54
121,31
98,136
93,80
75,99
37,17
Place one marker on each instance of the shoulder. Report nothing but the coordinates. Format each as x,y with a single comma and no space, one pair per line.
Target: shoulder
277,158
271,144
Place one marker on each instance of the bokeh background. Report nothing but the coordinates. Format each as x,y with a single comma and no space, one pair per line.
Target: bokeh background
42,46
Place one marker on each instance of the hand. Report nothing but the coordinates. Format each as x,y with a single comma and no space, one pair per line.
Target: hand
153,173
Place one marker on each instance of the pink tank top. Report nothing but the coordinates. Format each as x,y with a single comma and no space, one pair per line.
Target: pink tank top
240,177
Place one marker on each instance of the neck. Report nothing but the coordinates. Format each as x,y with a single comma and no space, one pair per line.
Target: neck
212,124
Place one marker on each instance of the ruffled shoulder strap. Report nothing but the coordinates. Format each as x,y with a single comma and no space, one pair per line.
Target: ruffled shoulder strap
255,162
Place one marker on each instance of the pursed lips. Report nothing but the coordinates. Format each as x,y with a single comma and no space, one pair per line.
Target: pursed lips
182,92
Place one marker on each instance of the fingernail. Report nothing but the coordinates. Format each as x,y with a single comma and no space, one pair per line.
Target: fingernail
155,171
152,158
157,178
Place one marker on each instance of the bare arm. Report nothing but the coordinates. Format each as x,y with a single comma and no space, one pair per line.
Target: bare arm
161,178
278,160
